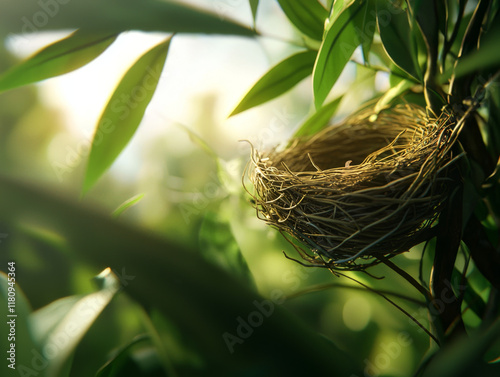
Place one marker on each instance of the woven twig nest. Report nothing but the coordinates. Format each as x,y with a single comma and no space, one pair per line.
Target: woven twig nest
359,192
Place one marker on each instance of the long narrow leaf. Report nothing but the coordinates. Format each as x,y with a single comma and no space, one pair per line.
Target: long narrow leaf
254,5
395,34
306,15
319,119
17,341
485,58
339,44
124,112
391,94
76,315
369,25
203,302
113,16
280,78
127,204
57,59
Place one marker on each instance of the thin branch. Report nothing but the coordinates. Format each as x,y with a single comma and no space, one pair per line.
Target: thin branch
392,303
322,287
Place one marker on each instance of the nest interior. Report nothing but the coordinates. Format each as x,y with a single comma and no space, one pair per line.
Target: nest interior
357,192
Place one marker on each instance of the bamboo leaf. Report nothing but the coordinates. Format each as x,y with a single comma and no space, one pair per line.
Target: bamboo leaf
338,45
319,119
485,57
369,25
75,315
113,17
124,112
395,33
57,59
120,364
127,204
463,356
393,93
202,301
218,245
279,79
19,347
306,15
254,5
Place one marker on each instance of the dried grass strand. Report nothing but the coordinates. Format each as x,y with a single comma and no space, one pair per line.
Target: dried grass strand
361,191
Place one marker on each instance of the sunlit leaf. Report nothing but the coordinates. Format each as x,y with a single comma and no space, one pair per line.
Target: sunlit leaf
74,318
391,94
279,79
127,204
57,59
124,112
337,48
114,16
306,15
395,33
486,57
320,119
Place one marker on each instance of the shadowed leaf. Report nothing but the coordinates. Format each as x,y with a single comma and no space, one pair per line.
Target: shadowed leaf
395,33
306,15
114,16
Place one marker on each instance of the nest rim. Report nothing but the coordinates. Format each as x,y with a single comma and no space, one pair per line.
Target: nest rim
340,211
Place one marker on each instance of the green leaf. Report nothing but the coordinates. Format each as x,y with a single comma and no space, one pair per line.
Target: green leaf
127,204
395,33
306,15
120,364
391,94
279,79
474,301
57,59
463,356
319,120
254,5
493,105
337,48
202,301
114,16
74,317
23,342
124,112
369,25
486,56
218,245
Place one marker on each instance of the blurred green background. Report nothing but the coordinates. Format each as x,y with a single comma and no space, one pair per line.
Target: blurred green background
186,163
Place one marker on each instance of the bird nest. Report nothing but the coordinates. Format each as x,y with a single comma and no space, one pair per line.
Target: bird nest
359,192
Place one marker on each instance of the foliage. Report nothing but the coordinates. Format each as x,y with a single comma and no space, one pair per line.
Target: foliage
191,308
